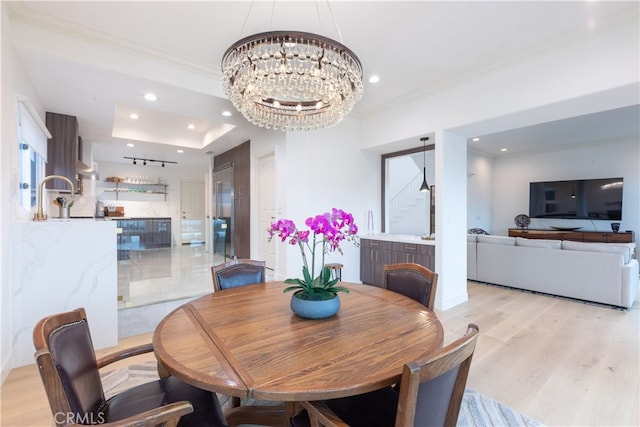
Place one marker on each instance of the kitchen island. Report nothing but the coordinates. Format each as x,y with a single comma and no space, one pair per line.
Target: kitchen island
139,234
59,265
376,250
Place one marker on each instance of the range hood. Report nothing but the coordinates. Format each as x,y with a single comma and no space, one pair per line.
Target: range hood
85,171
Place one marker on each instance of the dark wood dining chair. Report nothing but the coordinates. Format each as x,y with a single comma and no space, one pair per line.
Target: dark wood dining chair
237,272
430,394
70,373
234,273
413,280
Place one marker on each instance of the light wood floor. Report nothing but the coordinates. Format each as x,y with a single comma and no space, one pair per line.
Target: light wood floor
561,362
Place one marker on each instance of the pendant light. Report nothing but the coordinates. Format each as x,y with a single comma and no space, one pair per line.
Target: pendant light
425,186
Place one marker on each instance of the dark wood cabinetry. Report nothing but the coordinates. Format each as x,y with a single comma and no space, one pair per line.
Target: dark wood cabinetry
374,254
576,236
139,234
240,157
62,150
415,253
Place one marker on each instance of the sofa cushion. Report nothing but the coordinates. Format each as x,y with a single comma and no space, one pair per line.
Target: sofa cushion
614,248
472,238
539,243
498,240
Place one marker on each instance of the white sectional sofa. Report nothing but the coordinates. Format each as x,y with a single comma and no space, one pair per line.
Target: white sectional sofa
605,273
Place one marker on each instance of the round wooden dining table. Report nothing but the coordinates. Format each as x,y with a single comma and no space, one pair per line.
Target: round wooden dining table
246,342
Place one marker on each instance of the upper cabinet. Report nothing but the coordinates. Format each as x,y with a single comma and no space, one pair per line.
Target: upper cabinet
62,151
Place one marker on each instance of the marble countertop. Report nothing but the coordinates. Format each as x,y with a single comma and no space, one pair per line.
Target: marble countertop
134,218
401,238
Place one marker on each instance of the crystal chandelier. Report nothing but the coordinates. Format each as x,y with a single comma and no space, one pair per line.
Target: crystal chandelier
291,80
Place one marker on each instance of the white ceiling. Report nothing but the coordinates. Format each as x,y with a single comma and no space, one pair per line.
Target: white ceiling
96,60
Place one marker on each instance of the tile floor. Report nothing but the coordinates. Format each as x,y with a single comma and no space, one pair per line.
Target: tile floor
166,274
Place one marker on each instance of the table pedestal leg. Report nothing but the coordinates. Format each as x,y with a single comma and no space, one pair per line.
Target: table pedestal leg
276,416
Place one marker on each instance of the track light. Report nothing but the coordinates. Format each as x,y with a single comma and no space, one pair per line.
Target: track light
425,186
144,161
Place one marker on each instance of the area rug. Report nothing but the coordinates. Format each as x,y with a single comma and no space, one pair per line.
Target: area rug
477,409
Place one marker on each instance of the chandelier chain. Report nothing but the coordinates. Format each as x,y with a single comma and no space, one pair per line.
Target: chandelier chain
335,24
246,18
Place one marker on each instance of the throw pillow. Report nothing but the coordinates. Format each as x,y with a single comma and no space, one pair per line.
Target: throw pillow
477,231
615,248
498,240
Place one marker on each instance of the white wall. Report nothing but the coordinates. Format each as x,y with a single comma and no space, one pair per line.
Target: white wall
607,159
451,218
14,83
597,74
8,133
317,171
479,191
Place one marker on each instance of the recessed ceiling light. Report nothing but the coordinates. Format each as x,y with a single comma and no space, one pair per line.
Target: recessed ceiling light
226,113
374,79
503,149
475,139
133,116
191,126
131,145
150,97
180,151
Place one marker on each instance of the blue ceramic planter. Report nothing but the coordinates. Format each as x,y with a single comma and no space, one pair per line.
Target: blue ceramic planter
310,309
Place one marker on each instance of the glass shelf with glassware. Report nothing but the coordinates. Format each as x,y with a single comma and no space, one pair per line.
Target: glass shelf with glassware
136,186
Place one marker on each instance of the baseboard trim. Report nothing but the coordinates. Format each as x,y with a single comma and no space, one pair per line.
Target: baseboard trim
5,370
577,300
452,302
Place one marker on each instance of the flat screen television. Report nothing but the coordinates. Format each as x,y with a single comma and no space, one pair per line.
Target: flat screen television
577,199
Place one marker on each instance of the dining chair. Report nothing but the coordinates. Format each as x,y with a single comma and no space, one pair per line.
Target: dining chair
413,280
430,394
70,373
237,272
234,273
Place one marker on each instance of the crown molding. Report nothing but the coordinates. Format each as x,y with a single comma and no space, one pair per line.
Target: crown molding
21,13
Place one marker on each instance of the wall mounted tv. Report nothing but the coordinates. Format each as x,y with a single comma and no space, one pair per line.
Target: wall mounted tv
577,199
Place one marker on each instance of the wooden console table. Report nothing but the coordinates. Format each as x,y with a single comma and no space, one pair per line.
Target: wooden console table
576,236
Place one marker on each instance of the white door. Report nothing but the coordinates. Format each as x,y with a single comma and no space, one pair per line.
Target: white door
266,207
192,212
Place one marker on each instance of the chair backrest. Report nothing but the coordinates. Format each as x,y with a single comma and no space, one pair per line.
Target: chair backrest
413,280
238,272
431,389
67,363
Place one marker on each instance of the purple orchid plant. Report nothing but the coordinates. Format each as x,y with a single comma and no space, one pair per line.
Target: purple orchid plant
328,230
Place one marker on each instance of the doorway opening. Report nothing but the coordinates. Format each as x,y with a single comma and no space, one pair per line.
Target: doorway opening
192,208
